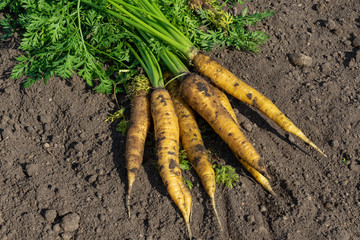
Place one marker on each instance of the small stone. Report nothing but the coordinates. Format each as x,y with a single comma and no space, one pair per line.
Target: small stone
46,145
301,60
98,230
70,222
5,119
66,236
250,218
347,43
111,104
92,178
102,217
334,143
50,215
319,7
29,129
6,134
101,172
47,127
32,169
357,57
55,138
263,208
291,138
78,146
247,126
352,63
355,166
331,25
326,68
56,227
339,31
356,42
328,206
45,118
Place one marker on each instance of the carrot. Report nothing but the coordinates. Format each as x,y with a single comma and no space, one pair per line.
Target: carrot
258,176
137,131
200,96
227,81
166,130
193,144
167,145
160,27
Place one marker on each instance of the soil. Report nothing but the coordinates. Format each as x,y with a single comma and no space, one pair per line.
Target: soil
62,167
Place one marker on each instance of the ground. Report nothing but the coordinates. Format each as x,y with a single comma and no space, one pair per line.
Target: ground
62,169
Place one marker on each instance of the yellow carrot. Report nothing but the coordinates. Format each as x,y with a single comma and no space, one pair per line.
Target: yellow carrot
227,81
140,119
167,150
193,144
258,177
200,96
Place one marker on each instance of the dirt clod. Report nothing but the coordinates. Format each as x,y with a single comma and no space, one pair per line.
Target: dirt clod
301,60
247,126
32,169
56,228
92,178
291,138
263,208
334,143
50,215
356,42
66,236
319,7
250,219
326,67
355,166
70,222
331,25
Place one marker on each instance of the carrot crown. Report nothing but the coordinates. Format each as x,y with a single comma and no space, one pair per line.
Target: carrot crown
140,82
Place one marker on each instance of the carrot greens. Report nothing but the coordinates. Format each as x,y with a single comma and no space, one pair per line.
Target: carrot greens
62,38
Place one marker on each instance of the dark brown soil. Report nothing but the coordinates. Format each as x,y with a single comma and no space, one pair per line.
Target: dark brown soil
62,170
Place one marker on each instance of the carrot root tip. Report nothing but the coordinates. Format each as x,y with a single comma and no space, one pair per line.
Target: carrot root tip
128,205
317,149
216,213
274,194
188,229
266,175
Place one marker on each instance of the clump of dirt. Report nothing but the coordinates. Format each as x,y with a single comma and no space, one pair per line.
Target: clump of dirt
62,167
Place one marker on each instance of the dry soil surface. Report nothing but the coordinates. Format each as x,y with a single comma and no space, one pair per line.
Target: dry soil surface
62,169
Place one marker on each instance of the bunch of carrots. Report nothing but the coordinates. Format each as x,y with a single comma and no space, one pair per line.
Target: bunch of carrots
173,105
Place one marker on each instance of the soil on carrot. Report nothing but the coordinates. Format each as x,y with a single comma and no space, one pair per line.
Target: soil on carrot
62,167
